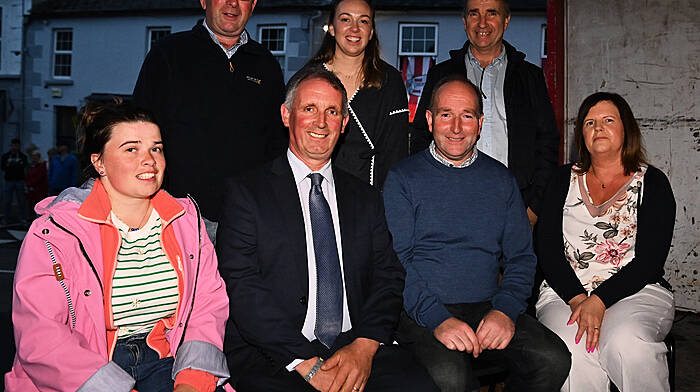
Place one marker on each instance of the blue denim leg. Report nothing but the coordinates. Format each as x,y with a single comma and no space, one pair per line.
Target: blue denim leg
152,374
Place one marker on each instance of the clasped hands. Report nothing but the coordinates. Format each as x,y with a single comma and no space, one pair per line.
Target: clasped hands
588,313
493,333
346,371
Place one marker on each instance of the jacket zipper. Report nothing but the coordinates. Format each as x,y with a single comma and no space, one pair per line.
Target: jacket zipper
196,276
57,266
82,249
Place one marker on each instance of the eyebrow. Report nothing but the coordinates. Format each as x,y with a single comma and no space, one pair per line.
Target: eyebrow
349,14
136,142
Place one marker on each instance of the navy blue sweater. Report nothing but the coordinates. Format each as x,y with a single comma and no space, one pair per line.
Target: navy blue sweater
450,227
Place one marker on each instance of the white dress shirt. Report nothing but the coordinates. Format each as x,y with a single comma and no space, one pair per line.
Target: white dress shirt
301,179
494,131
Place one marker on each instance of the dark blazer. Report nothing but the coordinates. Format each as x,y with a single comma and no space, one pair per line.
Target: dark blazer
262,257
533,139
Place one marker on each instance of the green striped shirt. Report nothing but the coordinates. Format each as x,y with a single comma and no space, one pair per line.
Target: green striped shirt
144,287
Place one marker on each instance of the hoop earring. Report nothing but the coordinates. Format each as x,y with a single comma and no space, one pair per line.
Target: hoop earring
102,173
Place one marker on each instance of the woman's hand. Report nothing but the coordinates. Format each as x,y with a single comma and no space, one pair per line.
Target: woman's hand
588,312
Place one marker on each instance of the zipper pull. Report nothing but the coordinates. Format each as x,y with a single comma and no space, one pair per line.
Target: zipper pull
230,66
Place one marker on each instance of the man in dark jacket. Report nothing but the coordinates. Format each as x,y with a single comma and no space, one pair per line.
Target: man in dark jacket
216,94
14,164
519,129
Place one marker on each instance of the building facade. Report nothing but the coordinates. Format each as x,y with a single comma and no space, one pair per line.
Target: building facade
88,49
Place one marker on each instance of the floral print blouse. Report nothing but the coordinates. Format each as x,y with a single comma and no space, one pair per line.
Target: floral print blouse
599,239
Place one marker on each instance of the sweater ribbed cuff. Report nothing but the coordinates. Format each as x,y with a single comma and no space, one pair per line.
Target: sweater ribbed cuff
435,316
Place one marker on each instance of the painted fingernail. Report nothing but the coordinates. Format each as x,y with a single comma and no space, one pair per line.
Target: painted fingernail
570,322
578,340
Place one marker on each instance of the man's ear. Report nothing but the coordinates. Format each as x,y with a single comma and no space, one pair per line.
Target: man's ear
203,3
285,115
429,118
345,122
252,6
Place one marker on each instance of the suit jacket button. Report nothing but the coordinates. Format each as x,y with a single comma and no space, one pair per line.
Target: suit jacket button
302,300
191,256
45,231
87,293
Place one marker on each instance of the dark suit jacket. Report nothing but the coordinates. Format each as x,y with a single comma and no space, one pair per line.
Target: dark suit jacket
262,257
533,139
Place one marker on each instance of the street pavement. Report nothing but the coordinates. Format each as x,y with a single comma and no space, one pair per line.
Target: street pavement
10,241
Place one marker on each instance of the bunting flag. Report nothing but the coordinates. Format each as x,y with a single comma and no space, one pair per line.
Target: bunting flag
414,70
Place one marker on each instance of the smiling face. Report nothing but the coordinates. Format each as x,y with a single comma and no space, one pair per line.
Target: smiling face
132,161
315,122
603,131
485,22
227,18
455,121
352,27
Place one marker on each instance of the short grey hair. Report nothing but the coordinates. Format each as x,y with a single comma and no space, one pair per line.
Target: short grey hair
315,71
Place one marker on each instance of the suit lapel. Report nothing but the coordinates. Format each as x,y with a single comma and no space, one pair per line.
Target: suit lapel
287,197
346,201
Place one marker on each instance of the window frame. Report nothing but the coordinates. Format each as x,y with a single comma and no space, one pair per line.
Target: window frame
56,52
543,42
401,32
149,34
275,53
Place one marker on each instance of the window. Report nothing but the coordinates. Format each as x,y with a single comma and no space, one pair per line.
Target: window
62,52
66,119
418,39
156,33
543,48
274,39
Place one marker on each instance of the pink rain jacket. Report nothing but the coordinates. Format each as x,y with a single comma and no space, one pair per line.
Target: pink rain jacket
63,281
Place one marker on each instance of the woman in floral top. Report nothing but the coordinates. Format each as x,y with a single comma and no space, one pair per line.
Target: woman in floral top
603,236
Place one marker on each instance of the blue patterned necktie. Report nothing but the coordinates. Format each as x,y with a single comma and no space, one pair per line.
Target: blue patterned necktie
329,283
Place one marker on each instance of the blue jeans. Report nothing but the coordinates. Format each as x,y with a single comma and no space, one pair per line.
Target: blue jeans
152,374
12,189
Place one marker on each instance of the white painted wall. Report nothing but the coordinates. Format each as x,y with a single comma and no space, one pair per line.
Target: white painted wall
524,32
649,52
11,37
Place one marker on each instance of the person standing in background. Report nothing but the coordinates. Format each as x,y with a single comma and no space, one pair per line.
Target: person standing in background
377,133
37,180
63,171
217,103
14,164
519,127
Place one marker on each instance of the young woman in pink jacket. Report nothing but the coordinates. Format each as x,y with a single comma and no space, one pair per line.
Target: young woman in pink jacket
116,286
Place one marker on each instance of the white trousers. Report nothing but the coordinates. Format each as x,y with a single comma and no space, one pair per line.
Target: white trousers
631,349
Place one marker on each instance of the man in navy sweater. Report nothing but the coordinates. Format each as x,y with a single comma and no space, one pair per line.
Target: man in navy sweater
457,218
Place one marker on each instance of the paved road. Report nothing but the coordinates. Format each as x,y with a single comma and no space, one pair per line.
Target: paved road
9,249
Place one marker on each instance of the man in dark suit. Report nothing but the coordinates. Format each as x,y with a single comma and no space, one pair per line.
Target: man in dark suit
309,266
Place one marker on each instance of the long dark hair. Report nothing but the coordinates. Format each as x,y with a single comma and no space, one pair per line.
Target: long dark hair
97,120
372,74
633,154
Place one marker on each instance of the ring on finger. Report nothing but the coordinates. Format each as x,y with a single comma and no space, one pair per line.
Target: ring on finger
355,388
598,328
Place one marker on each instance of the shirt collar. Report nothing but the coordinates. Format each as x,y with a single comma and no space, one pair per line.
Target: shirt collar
447,163
496,62
242,40
301,171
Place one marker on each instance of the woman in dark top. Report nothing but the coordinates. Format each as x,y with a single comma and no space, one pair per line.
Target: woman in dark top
376,136
603,236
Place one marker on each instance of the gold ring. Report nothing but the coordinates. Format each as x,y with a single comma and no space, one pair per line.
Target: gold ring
355,388
596,327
